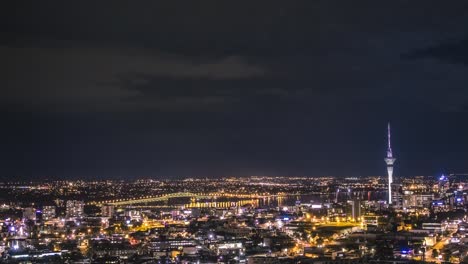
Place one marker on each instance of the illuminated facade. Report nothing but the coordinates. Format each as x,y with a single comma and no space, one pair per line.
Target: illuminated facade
75,208
389,160
48,212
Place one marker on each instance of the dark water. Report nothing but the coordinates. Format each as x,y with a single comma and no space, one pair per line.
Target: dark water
290,200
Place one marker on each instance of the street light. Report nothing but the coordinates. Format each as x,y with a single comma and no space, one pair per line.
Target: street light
424,250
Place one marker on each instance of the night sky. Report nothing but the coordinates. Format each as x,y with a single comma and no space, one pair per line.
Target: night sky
127,89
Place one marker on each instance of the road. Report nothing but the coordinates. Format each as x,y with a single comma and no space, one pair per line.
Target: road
439,246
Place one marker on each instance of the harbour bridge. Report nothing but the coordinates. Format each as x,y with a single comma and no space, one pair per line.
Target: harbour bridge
165,197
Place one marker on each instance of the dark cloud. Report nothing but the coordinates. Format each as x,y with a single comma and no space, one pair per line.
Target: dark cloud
217,87
89,78
455,51
316,47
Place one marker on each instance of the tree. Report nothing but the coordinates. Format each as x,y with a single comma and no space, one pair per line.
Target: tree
447,254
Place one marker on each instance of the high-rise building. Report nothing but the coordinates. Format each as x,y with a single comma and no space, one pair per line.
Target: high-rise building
417,200
133,215
443,185
107,210
29,213
389,160
397,195
48,212
355,210
75,208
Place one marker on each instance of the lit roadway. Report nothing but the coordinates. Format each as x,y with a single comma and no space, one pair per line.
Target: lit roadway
439,246
306,243
339,224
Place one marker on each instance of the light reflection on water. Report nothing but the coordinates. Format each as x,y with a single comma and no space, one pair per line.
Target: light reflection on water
288,200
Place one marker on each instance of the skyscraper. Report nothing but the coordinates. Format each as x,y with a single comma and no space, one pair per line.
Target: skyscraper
389,160
75,208
48,212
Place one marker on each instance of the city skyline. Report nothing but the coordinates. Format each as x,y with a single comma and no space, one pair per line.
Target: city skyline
230,132
259,219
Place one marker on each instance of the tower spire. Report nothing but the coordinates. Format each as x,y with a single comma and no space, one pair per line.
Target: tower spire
389,150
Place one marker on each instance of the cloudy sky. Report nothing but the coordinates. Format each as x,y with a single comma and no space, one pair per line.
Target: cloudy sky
151,89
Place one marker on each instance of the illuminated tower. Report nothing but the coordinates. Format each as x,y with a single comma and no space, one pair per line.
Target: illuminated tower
389,160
